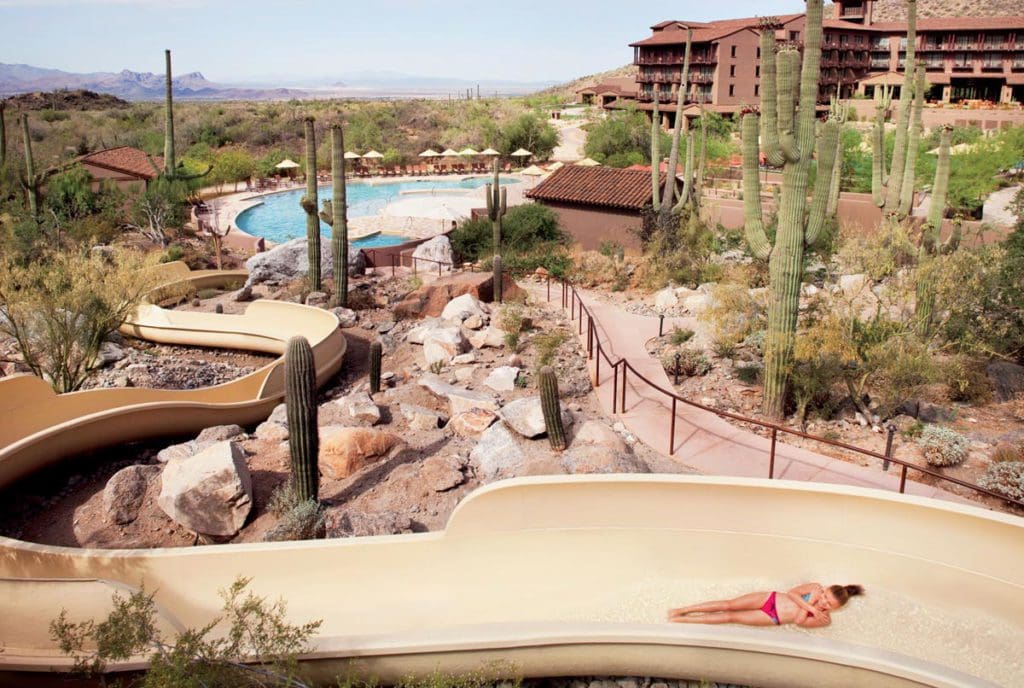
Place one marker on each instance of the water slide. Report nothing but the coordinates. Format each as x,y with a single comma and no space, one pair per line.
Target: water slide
538,576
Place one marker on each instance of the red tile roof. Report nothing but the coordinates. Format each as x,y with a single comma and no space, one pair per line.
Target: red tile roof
126,159
622,86
602,186
674,32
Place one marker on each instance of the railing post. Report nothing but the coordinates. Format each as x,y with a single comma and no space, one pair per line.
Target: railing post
661,324
572,306
581,317
590,337
672,431
597,366
771,456
622,401
438,268
393,261
888,446
549,288
615,388
903,479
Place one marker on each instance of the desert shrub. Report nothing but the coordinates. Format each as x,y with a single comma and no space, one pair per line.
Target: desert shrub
755,341
593,268
749,374
611,249
692,363
1004,451
304,521
878,256
732,315
811,382
437,366
967,380
901,367
677,251
680,335
723,347
207,293
531,237
943,446
1006,478
547,346
622,139
173,253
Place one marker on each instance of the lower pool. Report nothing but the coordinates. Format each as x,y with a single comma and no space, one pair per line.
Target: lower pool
377,240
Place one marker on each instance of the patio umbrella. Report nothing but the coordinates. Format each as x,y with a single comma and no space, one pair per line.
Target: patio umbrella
522,153
287,164
449,153
468,152
534,171
349,155
373,155
958,149
555,166
489,151
587,162
430,153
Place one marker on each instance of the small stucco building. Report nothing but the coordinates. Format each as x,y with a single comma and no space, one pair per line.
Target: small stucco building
129,168
596,204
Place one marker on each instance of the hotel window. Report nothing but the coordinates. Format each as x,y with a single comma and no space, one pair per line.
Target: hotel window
794,36
844,39
732,89
732,51
759,52
757,71
757,90
732,70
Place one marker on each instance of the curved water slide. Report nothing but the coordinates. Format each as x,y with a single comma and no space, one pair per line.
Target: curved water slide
544,576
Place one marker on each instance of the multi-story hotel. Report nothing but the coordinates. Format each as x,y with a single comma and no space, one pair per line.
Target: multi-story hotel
966,58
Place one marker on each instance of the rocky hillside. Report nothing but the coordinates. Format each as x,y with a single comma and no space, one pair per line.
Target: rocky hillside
66,100
568,90
896,10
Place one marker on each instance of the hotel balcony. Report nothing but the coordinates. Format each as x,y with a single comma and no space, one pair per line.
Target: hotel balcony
675,58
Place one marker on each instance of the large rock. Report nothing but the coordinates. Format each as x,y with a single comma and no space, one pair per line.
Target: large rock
854,285
665,299
352,523
596,448
443,344
487,337
442,473
209,493
431,299
182,451
219,433
497,454
502,378
419,333
463,307
437,250
420,417
109,353
125,492
346,317
289,261
459,398
271,431
472,423
344,451
356,408
1007,379
526,416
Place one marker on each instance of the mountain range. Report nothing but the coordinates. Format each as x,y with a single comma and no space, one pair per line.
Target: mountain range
20,78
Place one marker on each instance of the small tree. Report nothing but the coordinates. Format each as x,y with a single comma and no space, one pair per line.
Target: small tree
158,209
259,648
60,308
532,133
234,165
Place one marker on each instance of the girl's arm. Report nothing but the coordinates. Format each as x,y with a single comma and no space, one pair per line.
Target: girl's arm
821,620
815,589
805,607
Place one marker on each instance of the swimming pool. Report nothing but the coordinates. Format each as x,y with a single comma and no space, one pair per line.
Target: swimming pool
279,218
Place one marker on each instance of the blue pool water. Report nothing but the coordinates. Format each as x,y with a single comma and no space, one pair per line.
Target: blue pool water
279,218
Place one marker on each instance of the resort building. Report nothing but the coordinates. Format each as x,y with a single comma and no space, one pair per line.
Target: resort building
966,58
597,204
129,168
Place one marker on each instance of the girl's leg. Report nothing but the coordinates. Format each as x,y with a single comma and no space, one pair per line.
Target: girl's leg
746,618
752,600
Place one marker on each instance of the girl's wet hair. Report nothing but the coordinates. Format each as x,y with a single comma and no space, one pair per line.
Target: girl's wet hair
842,593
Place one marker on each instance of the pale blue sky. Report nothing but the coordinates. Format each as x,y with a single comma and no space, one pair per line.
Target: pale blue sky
231,40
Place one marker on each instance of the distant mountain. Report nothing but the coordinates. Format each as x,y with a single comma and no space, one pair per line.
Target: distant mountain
63,99
568,89
20,78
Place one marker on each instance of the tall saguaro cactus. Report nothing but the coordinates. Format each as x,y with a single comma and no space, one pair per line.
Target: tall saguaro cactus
300,402
170,170
879,168
497,205
3,133
931,246
551,408
656,152
668,197
335,216
376,353
310,205
913,144
794,139
30,181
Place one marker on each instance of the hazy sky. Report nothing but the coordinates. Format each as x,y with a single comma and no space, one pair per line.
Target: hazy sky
530,40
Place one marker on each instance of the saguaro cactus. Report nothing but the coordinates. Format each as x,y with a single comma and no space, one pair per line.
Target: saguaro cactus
3,134
335,215
913,144
303,433
376,352
30,181
794,139
170,170
931,245
656,152
497,205
879,169
668,197
551,407
310,205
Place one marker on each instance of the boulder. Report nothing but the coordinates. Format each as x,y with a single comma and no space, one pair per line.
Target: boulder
472,423
464,375
108,354
526,416
463,359
474,322
502,378
443,344
317,299
497,454
597,448
242,295
279,414
344,451
209,493
933,413
356,408
271,431
459,398
125,492
462,307
419,333
421,418
852,285
697,302
351,523
288,261
436,250
665,299
346,317
430,300
181,451
487,337
442,473
219,433
1007,379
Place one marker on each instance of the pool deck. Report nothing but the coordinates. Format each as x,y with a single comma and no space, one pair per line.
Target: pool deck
416,215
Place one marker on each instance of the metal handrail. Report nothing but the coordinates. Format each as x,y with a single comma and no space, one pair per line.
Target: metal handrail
570,295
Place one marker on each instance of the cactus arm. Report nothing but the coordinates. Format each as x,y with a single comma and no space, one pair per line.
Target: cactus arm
655,153
668,197
310,206
823,182
899,152
300,403
551,408
757,238
699,182
685,196
809,75
337,208
789,62
878,157
953,242
913,144
327,212
504,203
940,186
769,99
497,204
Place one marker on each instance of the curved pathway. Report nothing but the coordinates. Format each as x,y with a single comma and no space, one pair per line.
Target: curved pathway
703,440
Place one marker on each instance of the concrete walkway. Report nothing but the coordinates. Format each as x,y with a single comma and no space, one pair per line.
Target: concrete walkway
703,440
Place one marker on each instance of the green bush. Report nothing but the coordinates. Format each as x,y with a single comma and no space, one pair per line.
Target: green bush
692,363
967,380
547,346
943,446
623,139
304,521
680,336
1006,478
207,293
749,374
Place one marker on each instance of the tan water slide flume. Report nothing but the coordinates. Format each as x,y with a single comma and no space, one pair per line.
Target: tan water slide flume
548,575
